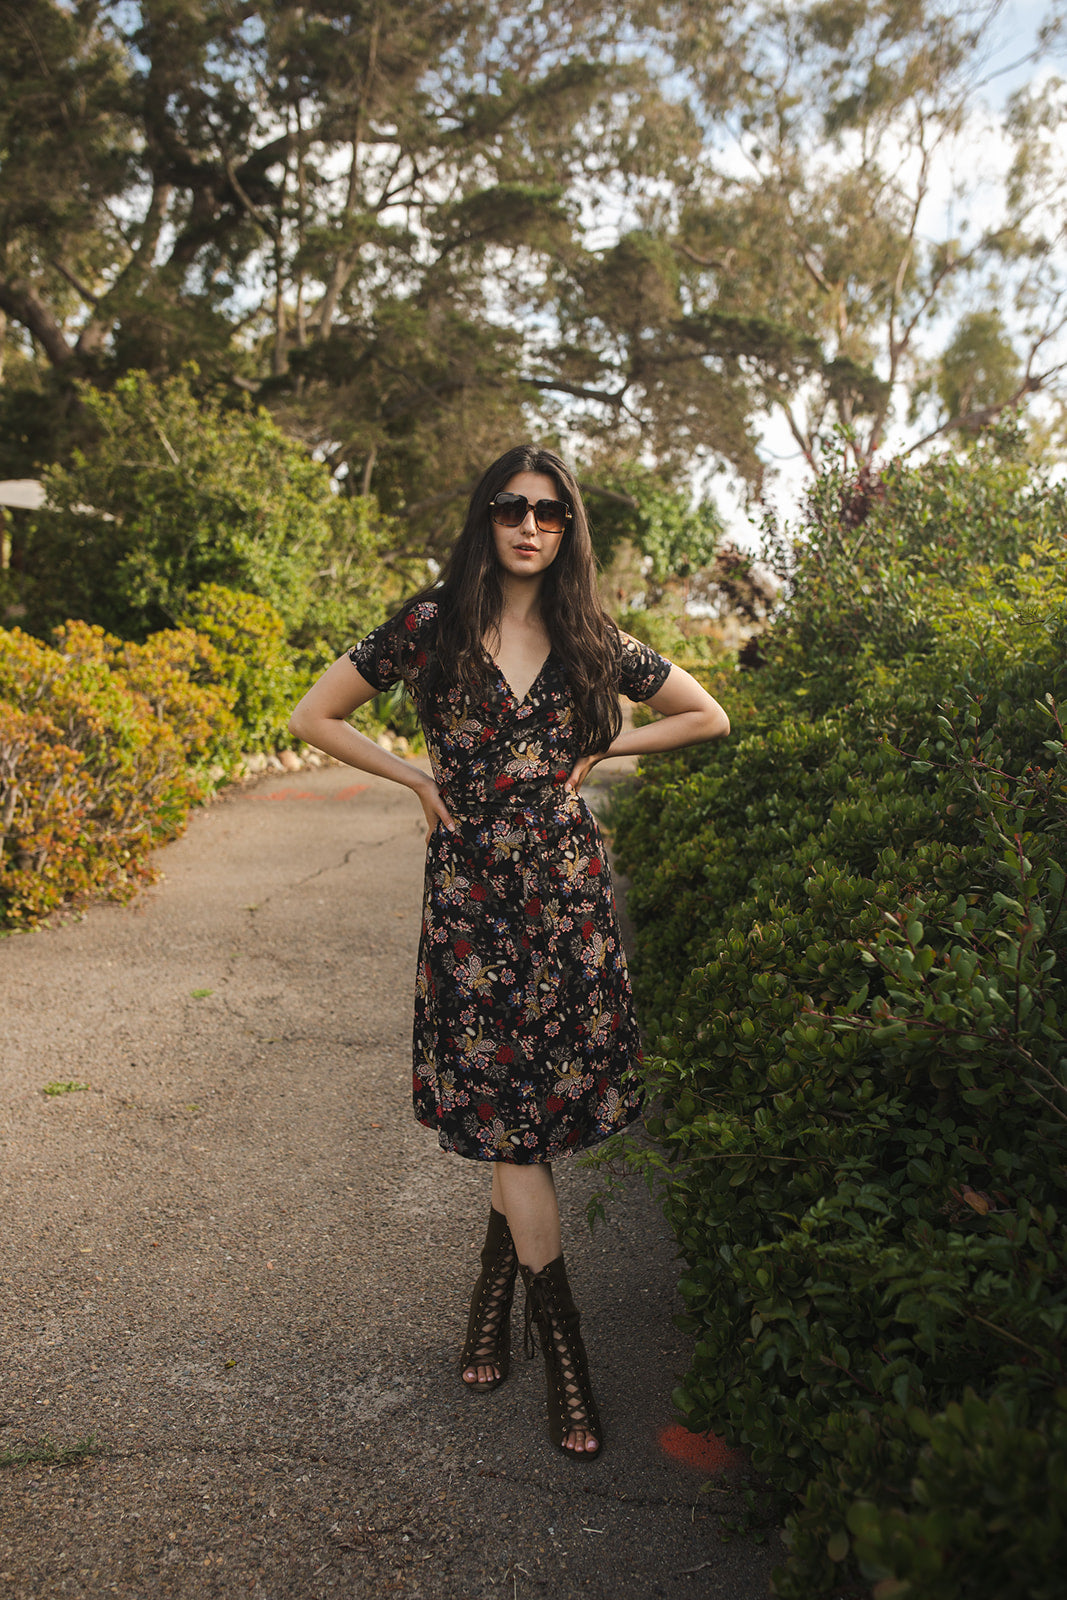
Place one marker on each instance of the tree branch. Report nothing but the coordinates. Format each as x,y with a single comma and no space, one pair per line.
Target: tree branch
20,301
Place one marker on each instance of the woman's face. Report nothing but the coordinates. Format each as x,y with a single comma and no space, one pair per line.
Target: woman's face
526,552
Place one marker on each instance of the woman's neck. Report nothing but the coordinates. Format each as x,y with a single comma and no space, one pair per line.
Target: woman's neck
522,599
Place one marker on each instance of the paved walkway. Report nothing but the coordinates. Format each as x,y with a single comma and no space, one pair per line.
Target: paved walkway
237,1261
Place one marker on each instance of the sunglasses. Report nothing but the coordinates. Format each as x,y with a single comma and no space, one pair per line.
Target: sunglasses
551,516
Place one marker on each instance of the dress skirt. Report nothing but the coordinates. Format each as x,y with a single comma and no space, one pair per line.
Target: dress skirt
525,1039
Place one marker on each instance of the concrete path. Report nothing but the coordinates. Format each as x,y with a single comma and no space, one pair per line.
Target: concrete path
237,1261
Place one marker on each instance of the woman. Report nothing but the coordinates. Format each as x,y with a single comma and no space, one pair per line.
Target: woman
525,1042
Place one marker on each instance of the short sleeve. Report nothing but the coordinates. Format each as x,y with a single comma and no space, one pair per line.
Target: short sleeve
398,649
642,673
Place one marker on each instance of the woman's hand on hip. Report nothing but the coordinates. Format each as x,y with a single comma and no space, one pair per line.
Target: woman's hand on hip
434,808
581,770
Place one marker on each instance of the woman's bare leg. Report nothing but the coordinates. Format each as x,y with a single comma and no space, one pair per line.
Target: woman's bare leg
526,1195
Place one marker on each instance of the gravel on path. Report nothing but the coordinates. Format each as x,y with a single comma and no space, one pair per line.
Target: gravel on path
235,1261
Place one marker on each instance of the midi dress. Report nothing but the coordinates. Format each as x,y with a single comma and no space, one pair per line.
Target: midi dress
525,1042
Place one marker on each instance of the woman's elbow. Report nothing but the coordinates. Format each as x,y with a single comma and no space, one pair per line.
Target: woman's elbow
297,724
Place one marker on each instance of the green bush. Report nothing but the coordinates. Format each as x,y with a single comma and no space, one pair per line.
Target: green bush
251,660
90,779
180,492
852,925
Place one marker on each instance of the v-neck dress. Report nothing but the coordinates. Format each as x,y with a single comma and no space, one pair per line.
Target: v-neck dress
525,1040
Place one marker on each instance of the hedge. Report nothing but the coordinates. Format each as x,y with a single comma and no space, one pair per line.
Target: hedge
106,744
852,926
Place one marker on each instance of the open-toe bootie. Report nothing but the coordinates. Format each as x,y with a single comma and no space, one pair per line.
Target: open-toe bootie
551,1310
488,1341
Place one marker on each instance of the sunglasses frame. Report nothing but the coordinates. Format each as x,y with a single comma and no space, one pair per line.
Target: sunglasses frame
527,506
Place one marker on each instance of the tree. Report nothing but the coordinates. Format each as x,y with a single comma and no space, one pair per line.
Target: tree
345,208
795,270
178,492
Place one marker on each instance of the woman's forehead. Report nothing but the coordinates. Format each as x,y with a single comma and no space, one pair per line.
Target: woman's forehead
534,485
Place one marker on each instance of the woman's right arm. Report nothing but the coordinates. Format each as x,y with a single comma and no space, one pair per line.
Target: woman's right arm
321,719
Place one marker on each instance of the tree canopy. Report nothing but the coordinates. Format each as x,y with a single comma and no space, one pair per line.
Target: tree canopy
417,232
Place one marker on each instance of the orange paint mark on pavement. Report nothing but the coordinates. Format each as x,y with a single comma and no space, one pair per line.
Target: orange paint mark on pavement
353,789
701,1450
288,794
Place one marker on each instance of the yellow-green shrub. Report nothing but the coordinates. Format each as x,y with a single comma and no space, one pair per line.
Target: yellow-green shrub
246,637
90,778
180,675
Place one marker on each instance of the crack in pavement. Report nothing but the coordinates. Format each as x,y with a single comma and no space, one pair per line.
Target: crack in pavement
331,866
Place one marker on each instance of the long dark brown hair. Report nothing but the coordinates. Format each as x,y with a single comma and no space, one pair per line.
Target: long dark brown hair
470,600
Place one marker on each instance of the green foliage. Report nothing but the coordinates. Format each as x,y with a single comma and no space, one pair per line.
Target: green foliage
251,660
852,934
105,744
51,1454
675,537
90,780
178,492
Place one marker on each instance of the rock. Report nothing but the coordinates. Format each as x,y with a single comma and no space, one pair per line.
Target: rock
216,773
256,762
401,746
385,740
313,759
290,761
274,765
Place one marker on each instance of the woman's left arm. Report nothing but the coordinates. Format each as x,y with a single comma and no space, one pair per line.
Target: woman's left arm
687,715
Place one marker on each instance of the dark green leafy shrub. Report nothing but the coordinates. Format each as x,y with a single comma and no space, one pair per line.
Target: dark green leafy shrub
180,492
852,929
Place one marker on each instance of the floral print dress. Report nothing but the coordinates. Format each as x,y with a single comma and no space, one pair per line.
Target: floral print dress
525,1040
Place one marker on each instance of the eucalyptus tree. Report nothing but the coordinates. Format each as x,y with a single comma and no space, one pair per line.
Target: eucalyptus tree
815,261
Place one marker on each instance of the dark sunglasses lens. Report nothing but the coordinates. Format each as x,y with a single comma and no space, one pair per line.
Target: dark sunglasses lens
550,516
510,509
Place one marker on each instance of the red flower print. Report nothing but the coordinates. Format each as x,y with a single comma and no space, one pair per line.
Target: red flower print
462,948
587,930
555,1104
503,782
532,907
505,1055
410,622
594,868
421,658
477,891
602,1086
561,774
416,1083
485,1111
